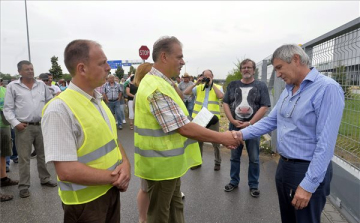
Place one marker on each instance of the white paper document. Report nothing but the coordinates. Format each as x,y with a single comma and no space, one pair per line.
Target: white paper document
203,117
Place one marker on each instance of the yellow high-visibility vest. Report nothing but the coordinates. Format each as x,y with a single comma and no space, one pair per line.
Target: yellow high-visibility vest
213,102
159,155
99,150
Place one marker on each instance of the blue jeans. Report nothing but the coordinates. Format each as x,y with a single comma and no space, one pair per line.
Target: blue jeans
189,106
252,147
122,113
14,152
114,106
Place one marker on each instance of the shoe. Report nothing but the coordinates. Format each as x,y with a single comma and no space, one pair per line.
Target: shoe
229,187
254,192
24,193
8,182
5,197
195,167
217,167
50,183
182,195
120,127
16,160
124,121
7,169
33,155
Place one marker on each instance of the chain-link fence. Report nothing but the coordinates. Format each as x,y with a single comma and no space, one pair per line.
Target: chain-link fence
337,55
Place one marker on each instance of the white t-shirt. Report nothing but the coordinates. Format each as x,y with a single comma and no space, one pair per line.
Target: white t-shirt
54,89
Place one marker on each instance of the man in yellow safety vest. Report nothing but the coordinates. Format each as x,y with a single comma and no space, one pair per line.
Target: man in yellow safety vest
80,138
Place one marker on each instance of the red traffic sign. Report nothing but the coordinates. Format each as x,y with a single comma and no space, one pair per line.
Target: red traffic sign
144,52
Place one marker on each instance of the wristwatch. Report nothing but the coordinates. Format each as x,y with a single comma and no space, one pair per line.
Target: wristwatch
249,123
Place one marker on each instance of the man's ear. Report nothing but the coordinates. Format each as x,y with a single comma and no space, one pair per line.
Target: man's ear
81,68
297,59
163,57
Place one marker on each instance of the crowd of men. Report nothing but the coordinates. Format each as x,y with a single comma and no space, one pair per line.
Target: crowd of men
92,166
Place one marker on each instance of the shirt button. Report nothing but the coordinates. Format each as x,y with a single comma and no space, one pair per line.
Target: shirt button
290,101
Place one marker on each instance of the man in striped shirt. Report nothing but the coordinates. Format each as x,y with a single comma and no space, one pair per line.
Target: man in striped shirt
307,117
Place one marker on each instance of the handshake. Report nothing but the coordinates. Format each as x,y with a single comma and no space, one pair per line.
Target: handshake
232,139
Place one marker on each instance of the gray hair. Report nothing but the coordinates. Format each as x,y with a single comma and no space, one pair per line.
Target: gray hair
21,63
111,75
163,44
286,53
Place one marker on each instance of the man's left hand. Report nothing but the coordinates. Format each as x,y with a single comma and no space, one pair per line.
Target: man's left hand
301,198
124,175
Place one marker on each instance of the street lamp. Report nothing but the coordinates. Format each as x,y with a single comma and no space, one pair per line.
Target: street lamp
27,30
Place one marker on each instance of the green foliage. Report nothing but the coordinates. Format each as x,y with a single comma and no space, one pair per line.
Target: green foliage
233,75
67,77
119,72
5,76
132,70
340,76
55,69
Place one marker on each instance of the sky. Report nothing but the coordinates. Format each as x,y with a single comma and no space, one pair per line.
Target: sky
214,34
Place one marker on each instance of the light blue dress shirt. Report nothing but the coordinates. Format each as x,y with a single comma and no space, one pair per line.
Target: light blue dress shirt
307,124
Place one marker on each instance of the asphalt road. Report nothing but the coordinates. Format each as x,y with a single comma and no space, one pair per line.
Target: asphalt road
205,199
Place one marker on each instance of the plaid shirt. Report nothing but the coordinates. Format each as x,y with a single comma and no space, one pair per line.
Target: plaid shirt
168,114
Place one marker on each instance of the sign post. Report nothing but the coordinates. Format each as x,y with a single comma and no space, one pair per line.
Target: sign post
144,53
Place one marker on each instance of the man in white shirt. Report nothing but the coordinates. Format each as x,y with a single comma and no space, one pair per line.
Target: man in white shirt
23,104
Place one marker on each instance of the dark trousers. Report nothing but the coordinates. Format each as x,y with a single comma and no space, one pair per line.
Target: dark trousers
105,209
289,175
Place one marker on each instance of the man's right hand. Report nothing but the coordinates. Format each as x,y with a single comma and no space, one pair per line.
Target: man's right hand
231,140
21,126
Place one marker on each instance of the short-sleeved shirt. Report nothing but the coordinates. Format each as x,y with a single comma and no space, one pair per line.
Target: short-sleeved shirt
62,132
112,91
168,114
182,86
245,100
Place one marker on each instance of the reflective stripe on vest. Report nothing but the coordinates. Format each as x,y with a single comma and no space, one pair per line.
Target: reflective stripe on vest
159,155
64,186
166,153
99,149
96,154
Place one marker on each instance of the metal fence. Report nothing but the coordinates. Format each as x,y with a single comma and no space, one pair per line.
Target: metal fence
337,55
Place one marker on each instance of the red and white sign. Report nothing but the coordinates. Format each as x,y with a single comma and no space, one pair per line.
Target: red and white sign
144,52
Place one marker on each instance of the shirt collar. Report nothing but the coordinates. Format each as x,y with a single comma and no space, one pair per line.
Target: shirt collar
156,72
98,96
310,77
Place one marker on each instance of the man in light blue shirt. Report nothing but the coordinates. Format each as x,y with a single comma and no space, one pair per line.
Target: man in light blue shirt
307,117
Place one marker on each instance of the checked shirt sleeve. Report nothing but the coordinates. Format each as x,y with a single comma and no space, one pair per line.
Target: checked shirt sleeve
168,114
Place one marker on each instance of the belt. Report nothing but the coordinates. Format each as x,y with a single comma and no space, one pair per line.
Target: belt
114,100
294,160
32,123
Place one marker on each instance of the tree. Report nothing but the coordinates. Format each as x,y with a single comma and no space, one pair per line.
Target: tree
119,72
132,70
55,69
233,75
67,77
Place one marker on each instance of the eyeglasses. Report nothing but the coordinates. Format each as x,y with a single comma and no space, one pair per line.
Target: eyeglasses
246,68
288,115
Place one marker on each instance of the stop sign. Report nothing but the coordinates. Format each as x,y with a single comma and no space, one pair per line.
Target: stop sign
144,52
